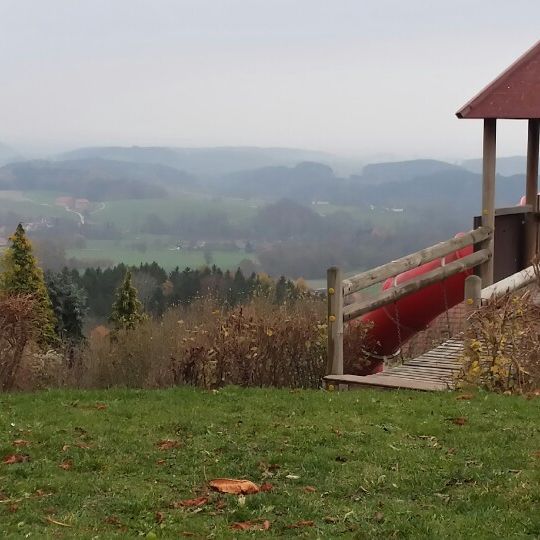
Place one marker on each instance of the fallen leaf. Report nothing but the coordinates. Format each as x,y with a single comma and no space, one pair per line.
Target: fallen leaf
536,454
54,522
465,397
160,462
236,487
83,445
160,516
113,520
67,464
66,447
267,486
10,459
258,525
310,489
378,517
168,444
300,524
459,421
41,493
200,501
21,442
101,406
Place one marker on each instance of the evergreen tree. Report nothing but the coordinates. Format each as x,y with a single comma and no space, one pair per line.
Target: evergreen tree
21,275
127,309
69,304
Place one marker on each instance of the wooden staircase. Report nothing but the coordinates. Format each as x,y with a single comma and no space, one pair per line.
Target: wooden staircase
433,371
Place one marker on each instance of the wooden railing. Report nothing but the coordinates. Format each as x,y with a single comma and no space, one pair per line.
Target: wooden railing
339,288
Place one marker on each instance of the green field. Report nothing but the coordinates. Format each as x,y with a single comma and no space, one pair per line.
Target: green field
117,252
367,464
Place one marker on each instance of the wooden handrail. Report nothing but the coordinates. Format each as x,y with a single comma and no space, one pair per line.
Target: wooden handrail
429,278
391,269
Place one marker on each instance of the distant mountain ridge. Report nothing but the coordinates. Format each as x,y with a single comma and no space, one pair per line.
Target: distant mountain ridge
206,162
506,166
8,155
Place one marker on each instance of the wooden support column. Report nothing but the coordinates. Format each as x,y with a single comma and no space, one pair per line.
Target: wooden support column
488,195
531,241
334,279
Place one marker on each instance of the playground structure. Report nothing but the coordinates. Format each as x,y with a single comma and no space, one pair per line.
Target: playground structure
417,288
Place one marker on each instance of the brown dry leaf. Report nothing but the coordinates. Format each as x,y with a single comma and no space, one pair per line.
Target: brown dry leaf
83,445
536,454
378,517
199,501
66,447
459,421
67,464
300,524
101,406
168,444
160,517
41,493
160,462
258,525
236,487
21,442
310,489
113,520
54,522
11,459
267,486
465,397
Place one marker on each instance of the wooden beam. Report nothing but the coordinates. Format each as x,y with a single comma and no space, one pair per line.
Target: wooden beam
531,193
488,194
429,278
334,278
391,269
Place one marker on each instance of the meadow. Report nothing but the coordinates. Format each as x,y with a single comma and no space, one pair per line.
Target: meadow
366,464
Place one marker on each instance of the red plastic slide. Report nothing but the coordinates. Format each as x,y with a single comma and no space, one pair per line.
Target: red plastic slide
394,324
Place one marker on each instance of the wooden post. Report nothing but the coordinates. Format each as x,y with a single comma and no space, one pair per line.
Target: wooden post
334,278
473,293
488,195
531,241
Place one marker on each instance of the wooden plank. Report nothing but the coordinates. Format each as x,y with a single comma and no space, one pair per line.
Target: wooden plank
386,382
488,194
385,271
334,363
429,278
531,193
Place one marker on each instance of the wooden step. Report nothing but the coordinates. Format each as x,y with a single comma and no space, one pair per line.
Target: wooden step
387,381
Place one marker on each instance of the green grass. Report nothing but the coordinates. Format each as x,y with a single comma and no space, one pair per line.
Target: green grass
118,252
384,465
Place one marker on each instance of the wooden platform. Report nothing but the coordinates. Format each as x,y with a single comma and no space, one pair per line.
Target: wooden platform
432,371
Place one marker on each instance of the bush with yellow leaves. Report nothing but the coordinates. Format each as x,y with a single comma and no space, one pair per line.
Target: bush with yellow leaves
502,350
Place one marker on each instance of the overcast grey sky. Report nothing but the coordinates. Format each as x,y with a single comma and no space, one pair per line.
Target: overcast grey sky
355,77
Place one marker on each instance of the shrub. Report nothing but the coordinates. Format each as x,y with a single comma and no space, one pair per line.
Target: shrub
257,344
19,324
503,345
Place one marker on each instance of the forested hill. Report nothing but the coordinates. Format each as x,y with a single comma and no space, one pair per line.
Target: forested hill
205,162
7,154
94,179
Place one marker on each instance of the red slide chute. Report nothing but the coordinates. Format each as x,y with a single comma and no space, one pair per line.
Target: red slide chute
394,324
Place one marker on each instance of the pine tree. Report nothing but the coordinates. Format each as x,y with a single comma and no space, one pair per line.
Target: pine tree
22,276
127,310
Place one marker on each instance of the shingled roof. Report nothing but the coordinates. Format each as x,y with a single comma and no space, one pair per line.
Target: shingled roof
515,94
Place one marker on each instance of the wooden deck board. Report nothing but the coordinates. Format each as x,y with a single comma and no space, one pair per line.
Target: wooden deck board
432,371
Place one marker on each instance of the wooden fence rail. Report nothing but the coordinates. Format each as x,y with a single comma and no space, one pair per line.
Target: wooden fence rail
338,288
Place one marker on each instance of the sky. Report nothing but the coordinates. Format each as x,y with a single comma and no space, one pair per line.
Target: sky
359,78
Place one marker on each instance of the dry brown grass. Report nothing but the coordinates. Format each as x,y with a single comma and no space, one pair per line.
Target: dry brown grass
257,344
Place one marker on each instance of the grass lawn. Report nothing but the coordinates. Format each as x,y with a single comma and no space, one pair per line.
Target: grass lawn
364,464
119,252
